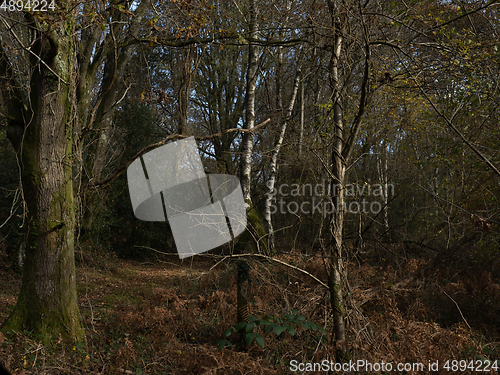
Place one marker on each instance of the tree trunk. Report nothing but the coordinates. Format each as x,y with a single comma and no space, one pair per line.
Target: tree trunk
255,227
184,92
274,167
253,61
336,267
302,110
99,122
382,175
335,262
47,304
341,151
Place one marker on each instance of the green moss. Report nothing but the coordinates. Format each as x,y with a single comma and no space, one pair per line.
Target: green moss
47,305
255,230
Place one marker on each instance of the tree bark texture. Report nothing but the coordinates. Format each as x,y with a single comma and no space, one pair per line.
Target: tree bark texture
273,167
335,261
43,139
253,61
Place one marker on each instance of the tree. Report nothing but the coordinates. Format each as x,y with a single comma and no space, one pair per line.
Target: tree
273,167
40,113
61,74
251,79
219,99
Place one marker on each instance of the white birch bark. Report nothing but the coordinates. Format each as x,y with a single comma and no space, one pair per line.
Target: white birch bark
253,60
274,166
302,108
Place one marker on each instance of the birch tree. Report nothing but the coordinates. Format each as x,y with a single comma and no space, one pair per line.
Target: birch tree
273,166
251,79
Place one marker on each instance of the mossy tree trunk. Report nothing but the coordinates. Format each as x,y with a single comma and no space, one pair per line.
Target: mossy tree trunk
56,105
253,240
40,128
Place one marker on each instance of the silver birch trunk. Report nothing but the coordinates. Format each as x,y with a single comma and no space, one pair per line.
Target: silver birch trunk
302,107
253,60
274,166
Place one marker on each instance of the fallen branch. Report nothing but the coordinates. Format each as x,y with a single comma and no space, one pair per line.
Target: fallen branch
224,257
458,307
273,260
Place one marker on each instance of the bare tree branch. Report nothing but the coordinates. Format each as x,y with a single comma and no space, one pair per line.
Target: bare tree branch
171,137
451,125
365,88
33,53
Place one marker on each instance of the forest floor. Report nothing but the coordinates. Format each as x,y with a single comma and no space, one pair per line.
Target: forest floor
166,316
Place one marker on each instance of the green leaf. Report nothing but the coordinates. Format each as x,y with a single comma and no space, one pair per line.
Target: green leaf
300,317
278,330
259,340
249,338
290,316
242,40
249,327
291,330
228,332
322,330
322,339
222,343
240,325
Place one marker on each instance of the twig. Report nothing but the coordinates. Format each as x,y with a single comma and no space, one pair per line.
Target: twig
449,122
157,251
458,307
274,260
224,257
491,343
